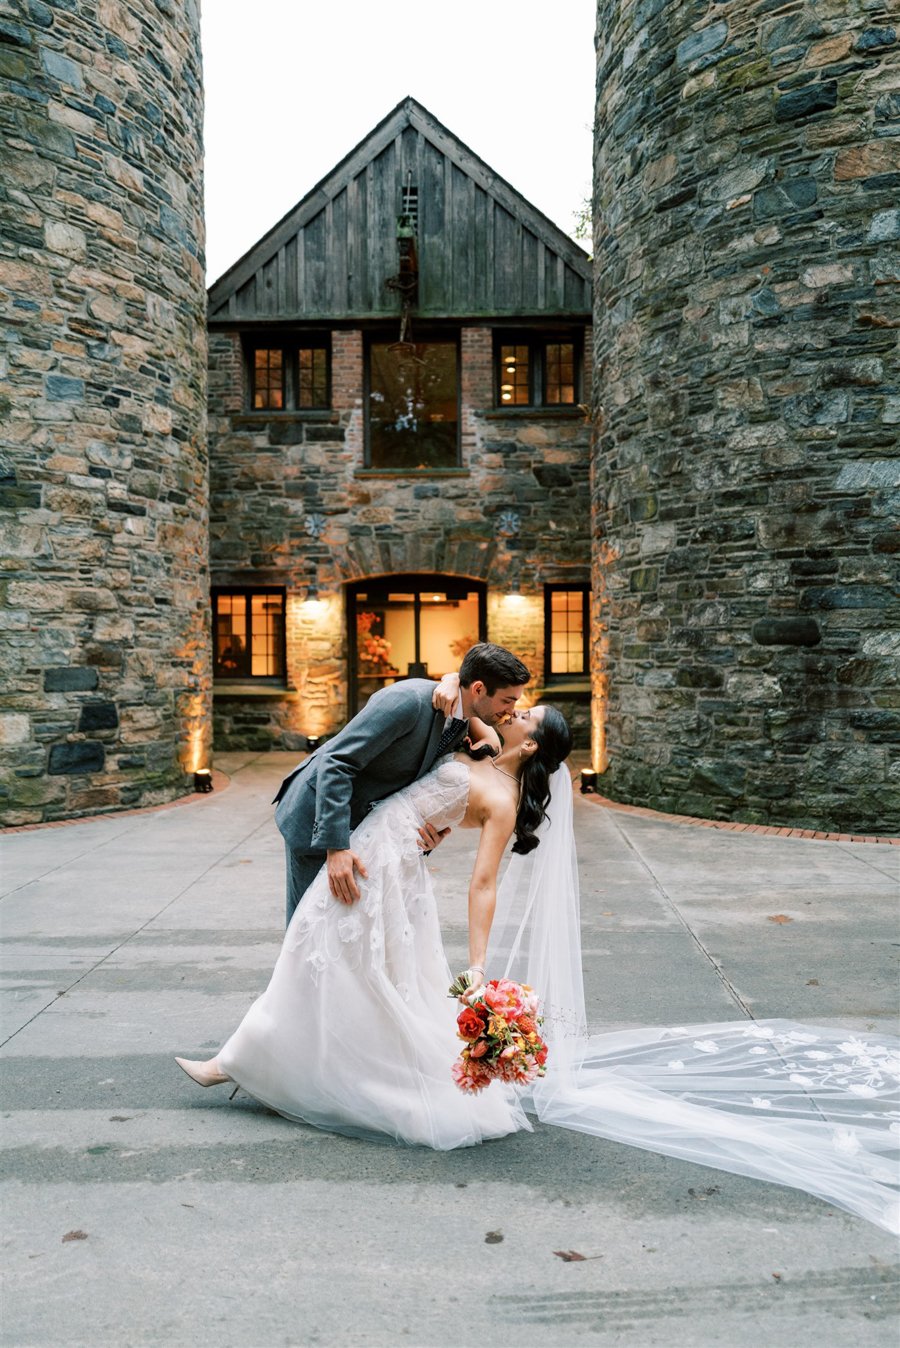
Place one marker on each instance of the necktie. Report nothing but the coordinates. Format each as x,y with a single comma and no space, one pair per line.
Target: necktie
452,735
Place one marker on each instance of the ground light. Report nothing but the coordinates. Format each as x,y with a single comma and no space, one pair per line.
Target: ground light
203,780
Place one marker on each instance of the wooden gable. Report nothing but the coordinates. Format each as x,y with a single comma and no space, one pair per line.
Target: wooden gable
483,250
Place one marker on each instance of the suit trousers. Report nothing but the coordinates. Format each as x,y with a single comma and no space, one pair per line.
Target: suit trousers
301,869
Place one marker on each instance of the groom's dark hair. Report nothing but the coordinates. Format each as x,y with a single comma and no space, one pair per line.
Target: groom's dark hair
493,666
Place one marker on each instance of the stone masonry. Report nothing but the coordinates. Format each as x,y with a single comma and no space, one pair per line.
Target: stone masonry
270,473
747,253
104,648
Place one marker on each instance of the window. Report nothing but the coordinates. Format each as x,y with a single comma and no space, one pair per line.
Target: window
515,375
537,371
566,630
289,377
248,634
413,405
268,379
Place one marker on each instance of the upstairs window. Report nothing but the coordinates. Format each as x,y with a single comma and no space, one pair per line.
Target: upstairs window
566,631
248,634
289,377
537,371
268,379
413,406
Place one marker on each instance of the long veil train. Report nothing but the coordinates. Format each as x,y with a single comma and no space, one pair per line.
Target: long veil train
808,1106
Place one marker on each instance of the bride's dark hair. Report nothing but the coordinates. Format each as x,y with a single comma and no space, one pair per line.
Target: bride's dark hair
554,741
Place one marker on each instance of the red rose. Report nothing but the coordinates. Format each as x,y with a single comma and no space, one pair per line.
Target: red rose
541,1056
479,1049
470,1023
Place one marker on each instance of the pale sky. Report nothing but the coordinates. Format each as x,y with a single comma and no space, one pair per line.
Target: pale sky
293,85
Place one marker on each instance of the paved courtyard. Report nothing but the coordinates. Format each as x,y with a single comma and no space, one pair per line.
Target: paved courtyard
139,1209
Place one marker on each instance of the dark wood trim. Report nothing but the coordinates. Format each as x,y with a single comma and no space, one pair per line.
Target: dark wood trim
356,322
553,680
410,582
248,591
407,113
537,340
290,344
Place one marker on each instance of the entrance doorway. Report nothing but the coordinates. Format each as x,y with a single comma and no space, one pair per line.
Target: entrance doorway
403,627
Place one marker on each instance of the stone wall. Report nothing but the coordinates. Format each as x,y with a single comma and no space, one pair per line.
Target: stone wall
271,473
747,231
104,646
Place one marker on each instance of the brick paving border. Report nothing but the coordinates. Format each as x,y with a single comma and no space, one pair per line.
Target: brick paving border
771,831
221,782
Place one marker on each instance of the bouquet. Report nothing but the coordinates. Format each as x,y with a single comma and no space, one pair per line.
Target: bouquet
500,1032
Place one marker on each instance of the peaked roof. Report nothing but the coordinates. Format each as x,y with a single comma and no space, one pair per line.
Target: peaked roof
483,250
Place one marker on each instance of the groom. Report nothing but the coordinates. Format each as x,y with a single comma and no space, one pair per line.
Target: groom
392,742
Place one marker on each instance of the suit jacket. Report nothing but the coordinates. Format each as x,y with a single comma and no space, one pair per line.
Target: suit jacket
393,741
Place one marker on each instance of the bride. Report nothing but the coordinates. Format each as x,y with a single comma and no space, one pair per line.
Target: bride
355,1032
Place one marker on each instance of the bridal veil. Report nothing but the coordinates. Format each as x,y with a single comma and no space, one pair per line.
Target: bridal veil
808,1106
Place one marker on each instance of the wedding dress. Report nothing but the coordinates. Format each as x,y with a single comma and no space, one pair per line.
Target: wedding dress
356,1034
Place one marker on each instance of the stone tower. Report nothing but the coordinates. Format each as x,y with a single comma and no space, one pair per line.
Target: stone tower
747,232
105,649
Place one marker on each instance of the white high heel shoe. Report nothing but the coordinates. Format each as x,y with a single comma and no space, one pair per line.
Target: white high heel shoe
204,1073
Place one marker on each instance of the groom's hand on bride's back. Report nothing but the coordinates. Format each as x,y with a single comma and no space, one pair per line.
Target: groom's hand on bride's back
341,866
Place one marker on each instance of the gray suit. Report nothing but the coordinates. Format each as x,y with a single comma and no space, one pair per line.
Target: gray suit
393,741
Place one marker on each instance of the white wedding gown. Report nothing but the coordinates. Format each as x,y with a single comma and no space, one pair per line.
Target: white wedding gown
355,1032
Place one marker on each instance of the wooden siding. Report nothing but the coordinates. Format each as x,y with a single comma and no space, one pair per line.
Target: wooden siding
483,250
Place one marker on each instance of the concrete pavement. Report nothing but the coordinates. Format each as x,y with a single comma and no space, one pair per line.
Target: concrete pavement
139,1209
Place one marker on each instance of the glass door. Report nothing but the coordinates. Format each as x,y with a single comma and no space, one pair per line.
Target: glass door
404,627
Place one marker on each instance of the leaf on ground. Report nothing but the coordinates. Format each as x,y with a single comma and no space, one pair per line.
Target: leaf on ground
777,1277
493,1238
120,1118
703,1194
780,918
812,982
74,1235
570,1256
